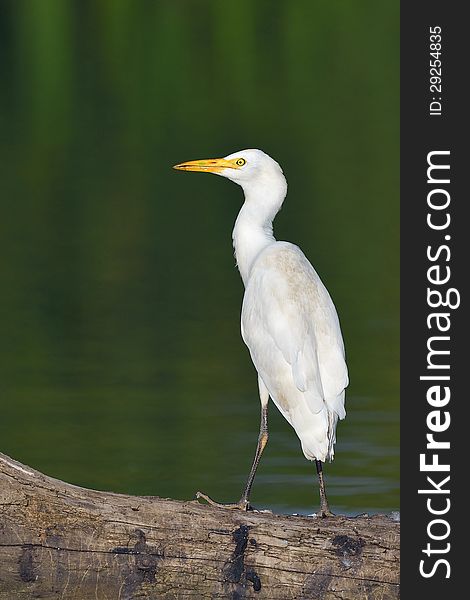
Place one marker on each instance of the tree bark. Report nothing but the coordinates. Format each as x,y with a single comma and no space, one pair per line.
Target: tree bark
61,541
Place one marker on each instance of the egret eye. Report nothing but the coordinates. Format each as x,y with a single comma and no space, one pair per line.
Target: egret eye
240,162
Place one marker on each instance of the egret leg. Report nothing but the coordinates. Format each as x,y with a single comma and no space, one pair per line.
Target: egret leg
324,508
262,441
244,502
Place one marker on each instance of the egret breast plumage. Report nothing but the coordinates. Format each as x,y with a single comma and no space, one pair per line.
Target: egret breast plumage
288,319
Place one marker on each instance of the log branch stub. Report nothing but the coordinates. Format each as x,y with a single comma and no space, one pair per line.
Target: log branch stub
58,540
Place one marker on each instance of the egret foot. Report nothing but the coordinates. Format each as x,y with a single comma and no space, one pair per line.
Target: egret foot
325,513
242,504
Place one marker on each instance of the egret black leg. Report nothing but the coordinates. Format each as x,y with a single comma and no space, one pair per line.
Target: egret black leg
262,441
244,502
324,508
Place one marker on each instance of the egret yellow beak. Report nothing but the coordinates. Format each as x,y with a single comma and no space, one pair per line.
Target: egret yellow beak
210,165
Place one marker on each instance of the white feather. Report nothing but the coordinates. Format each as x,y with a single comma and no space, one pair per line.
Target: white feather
290,325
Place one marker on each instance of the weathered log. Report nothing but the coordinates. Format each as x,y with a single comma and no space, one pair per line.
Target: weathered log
61,541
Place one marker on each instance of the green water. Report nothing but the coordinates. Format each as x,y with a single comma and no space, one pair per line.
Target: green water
121,362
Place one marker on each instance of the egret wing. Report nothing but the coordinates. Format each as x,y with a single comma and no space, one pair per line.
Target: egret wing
287,307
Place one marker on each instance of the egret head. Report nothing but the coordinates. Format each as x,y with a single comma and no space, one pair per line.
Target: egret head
249,168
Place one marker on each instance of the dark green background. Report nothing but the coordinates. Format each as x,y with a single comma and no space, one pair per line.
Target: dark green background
121,362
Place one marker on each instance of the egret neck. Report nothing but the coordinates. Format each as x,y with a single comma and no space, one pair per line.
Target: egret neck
253,229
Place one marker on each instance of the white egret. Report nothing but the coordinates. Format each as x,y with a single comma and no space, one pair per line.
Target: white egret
288,320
